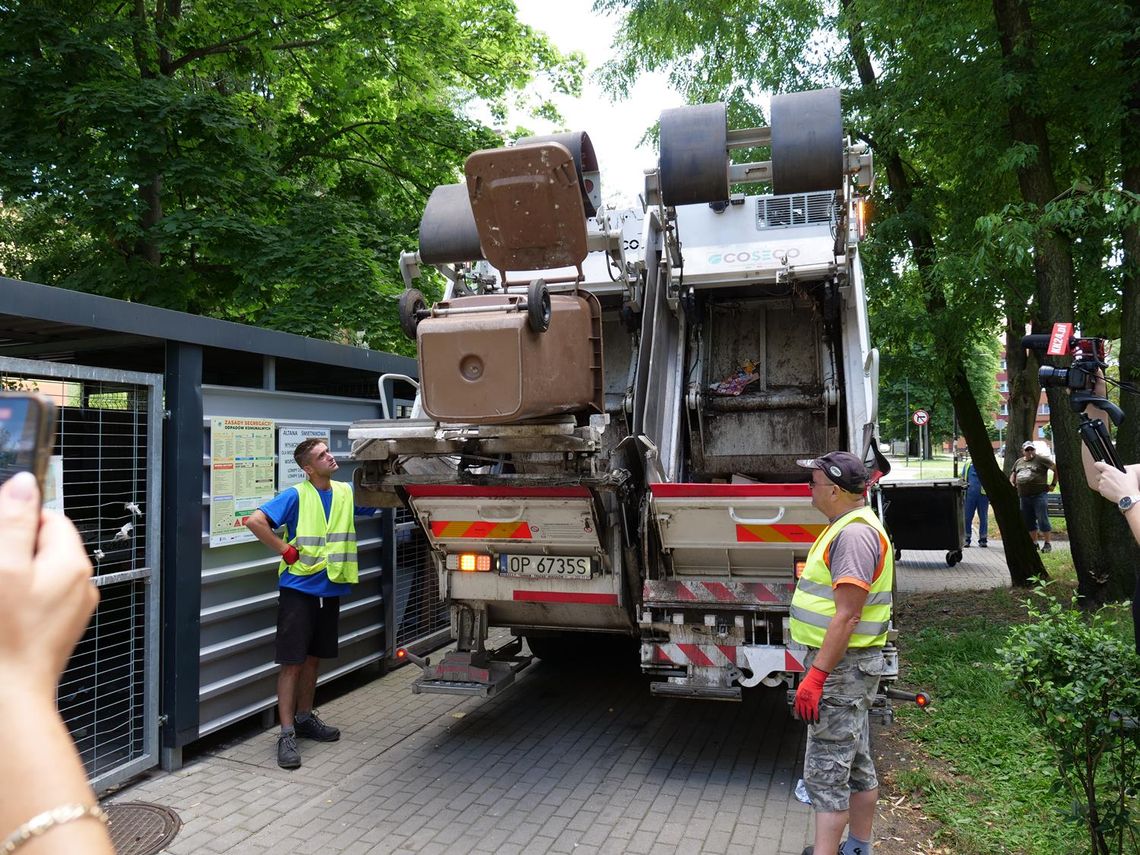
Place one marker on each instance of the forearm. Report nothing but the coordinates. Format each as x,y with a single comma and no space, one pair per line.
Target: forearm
835,640
44,762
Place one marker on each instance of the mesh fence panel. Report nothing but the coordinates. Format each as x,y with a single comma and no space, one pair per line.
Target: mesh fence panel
419,611
98,478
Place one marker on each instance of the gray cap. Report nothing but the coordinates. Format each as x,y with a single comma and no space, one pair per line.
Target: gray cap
842,468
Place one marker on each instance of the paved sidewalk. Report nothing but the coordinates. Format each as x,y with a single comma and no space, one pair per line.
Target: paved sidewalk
563,761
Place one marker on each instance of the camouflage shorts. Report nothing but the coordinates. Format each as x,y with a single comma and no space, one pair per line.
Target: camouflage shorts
838,760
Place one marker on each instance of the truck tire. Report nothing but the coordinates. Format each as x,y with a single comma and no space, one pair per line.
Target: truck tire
538,306
411,304
694,155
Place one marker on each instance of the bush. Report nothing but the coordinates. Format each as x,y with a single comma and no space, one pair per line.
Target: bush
1080,682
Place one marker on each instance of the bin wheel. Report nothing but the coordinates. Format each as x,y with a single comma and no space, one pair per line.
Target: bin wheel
411,304
538,306
953,557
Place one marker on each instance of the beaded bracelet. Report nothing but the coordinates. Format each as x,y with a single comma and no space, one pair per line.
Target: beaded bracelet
46,821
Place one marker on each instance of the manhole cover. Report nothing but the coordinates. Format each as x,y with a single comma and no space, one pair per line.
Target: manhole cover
138,828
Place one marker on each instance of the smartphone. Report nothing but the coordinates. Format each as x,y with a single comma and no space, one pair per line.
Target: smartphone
27,434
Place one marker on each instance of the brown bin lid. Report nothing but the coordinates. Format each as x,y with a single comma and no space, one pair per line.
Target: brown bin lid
528,207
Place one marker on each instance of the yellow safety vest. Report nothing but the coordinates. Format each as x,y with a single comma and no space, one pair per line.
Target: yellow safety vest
813,604
330,544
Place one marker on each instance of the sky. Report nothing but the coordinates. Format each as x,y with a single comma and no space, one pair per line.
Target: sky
614,128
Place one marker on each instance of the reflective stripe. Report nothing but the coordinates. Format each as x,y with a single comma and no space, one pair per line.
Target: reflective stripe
826,592
311,560
309,541
342,556
340,537
864,627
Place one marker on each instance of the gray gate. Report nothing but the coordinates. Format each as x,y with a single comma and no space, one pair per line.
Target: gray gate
105,476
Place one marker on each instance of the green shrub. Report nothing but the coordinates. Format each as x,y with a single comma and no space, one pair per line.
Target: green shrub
1080,682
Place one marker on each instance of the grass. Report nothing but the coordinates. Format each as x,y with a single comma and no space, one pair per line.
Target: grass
990,779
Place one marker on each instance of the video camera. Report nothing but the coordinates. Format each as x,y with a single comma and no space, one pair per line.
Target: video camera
1089,356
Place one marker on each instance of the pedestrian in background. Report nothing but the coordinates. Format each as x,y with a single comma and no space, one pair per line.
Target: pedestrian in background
1034,477
841,610
977,502
318,566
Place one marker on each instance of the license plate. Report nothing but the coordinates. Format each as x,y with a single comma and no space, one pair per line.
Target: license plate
549,566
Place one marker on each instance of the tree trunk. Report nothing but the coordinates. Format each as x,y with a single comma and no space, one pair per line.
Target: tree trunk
1053,268
1116,538
1024,562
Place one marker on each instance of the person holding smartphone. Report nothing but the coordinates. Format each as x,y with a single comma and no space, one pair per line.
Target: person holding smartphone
45,575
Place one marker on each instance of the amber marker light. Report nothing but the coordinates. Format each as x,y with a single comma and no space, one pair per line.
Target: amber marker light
474,562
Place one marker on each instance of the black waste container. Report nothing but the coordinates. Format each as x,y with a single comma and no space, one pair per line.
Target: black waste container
926,515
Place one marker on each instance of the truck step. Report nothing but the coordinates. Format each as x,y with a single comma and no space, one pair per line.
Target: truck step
708,693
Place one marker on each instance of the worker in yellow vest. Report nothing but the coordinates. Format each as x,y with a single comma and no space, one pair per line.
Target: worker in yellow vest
841,611
317,567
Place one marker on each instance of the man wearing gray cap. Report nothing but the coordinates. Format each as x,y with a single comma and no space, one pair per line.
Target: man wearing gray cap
1031,476
841,611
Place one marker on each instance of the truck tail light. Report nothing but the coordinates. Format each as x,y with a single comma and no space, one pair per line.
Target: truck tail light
474,562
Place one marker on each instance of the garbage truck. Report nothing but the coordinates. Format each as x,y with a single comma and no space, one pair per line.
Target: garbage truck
610,404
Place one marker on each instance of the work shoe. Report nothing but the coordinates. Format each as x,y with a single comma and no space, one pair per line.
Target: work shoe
967,544
810,850
983,544
288,757
314,728
1048,547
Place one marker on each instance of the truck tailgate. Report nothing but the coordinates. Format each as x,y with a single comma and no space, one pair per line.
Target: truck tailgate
735,529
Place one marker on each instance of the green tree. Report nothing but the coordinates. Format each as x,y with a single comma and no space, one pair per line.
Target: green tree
258,162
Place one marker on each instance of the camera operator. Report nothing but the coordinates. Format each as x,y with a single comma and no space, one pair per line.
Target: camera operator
1121,488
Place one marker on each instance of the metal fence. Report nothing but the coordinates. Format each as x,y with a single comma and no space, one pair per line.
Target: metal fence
105,476
421,618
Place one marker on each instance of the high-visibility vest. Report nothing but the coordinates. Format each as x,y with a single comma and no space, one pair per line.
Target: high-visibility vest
813,604
328,545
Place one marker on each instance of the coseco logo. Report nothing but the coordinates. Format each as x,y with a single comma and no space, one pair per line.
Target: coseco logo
744,256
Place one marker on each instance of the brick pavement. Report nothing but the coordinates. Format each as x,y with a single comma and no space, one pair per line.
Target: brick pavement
563,761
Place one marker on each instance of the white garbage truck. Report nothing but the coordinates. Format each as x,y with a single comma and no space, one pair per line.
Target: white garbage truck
602,450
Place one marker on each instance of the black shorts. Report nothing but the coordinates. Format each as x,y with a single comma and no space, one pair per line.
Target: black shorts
306,626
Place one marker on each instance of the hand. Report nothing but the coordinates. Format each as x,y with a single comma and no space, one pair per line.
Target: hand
48,597
1114,484
291,556
808,695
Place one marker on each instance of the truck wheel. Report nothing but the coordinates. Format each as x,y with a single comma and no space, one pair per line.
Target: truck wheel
538,306
411,304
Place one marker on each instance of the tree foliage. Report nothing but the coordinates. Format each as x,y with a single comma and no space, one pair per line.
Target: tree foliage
257,162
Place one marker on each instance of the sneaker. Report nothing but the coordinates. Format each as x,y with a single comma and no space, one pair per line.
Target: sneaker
1048,547
288,757
967,544
983,544
314,728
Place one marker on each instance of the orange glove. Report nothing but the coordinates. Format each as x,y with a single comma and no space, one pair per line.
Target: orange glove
808,695
291,555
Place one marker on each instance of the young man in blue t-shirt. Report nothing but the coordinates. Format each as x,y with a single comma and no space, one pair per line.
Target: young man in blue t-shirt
308,605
